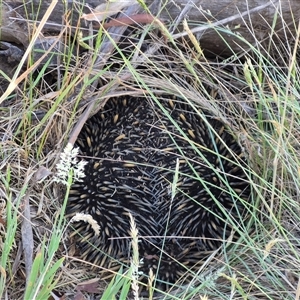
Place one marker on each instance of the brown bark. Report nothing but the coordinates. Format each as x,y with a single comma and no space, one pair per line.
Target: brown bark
205,13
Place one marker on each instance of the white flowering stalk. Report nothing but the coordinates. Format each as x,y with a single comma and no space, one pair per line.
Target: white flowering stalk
69,162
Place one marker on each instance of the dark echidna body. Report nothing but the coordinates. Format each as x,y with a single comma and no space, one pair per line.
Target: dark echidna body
132,148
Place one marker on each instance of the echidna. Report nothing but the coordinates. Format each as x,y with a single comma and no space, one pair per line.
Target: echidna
132,147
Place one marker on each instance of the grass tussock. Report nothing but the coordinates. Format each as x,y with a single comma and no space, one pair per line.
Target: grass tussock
255,93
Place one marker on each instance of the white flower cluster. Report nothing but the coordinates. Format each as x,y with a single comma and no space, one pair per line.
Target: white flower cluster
69,162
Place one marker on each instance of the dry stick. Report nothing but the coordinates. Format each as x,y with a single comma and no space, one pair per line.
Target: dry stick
224,21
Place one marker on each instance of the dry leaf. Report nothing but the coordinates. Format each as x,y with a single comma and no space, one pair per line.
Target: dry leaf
90,286
102,11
